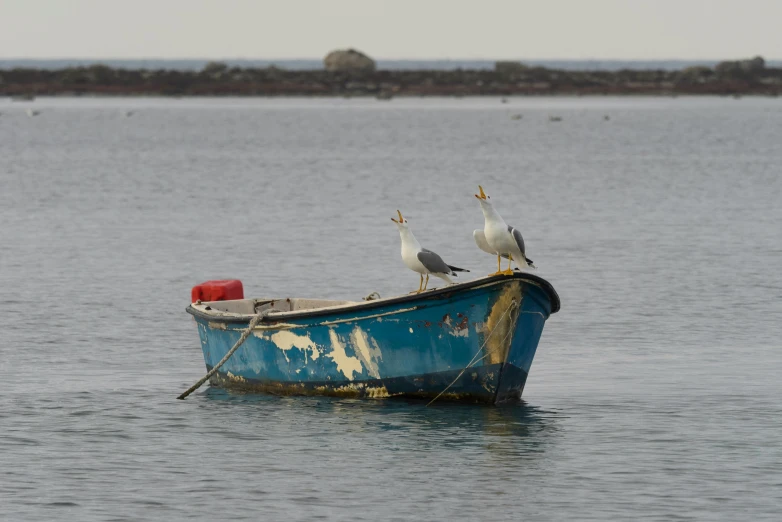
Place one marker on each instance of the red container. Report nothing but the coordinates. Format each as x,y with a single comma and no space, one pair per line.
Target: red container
223,290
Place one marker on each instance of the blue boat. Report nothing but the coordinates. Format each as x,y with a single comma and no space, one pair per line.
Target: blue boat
471,342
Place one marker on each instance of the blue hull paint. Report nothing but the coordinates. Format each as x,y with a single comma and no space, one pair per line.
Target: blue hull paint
474,341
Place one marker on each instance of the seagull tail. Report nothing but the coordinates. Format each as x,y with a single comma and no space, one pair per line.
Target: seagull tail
455,269
444,277
524,265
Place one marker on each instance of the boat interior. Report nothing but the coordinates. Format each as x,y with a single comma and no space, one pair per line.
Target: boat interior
254,306
242,308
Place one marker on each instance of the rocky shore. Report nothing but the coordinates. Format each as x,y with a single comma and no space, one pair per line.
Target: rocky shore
351,73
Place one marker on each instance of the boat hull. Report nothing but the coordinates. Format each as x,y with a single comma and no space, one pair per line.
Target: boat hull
473,342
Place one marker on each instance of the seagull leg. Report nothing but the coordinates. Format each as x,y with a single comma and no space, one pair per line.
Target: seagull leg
499,268
509,271
420,284
426,283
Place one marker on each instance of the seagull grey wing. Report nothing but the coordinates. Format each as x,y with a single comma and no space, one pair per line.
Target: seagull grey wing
517,237
433,262
520,242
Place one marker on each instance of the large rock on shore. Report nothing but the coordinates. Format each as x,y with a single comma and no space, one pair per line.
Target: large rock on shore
348,60
509,67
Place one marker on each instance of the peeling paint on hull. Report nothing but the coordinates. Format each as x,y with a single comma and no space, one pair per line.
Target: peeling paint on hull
477,343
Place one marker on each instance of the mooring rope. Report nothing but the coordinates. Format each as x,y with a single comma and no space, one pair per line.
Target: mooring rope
245,334
486,340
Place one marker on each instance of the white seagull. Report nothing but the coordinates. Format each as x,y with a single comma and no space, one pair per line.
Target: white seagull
420,259
499,238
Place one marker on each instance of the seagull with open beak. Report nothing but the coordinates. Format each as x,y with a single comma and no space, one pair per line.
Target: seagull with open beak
421,260
497,237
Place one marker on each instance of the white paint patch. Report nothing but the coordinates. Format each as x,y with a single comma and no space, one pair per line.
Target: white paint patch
368,355
455,332
411,330
218,326
345,364
235,377
286,341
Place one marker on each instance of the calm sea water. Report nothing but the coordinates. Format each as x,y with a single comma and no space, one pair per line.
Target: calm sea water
655,393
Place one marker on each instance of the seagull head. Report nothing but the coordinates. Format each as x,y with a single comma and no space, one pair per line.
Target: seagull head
483,199
401,223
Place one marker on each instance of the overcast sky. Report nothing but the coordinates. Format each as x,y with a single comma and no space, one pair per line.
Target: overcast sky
413,29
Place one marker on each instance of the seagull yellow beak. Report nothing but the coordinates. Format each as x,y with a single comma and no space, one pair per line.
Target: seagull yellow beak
401,219
483,194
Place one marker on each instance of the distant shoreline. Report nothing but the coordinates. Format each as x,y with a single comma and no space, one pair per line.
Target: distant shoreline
313,64
507,79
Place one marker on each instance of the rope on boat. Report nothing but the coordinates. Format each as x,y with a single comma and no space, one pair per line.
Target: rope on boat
474,361
245,334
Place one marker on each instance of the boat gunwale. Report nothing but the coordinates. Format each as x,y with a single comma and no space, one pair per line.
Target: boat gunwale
377,303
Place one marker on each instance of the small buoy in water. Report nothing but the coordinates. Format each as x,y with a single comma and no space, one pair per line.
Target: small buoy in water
128,114
554,118
516,117
606,117
504,100
32,112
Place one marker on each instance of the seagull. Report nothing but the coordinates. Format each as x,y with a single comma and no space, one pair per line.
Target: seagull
500,238
420,259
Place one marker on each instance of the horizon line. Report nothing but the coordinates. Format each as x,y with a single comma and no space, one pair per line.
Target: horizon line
461,59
